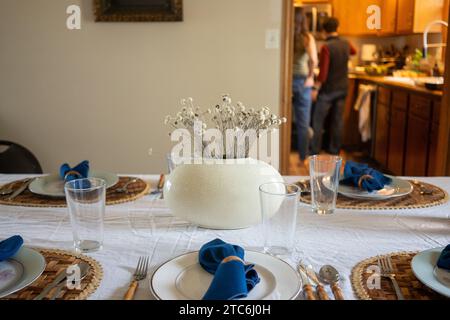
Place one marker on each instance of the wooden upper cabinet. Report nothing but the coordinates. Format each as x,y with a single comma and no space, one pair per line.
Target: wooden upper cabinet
397,16
414,15
405,18
299,2
353,16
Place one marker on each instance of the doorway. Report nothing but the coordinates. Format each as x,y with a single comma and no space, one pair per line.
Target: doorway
288,157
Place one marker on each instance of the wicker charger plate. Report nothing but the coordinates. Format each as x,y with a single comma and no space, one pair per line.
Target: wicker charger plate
363,276
58,261
136,190
414,200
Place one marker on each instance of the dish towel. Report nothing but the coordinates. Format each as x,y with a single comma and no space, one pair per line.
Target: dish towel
362,176
363,105
9,247
233,279
444,259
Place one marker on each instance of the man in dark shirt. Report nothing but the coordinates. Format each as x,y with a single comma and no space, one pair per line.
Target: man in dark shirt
331,87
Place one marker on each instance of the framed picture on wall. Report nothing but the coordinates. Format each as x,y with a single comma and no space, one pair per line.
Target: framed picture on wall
138,10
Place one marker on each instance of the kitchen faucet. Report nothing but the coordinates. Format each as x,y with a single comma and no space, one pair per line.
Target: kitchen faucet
425,37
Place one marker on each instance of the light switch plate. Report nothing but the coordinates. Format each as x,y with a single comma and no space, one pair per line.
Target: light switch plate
272,39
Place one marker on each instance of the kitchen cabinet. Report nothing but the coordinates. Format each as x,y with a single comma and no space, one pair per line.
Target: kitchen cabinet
357,10
381,124
300,2
434,133
417,146
405,127
397,16
397,131
418,135
414,15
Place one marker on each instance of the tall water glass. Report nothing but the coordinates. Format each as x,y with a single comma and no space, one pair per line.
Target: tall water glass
324,174
86,202
279,204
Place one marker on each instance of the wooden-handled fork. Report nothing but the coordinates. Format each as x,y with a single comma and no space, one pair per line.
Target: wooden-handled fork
139,275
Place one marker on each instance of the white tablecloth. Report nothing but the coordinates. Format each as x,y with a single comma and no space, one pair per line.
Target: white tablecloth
146,227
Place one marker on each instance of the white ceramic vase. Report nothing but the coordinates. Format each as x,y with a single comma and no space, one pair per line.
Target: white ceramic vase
223,195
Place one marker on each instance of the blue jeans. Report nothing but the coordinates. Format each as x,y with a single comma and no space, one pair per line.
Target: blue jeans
328,103
302,112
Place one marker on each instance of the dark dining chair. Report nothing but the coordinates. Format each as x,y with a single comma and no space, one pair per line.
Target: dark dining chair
16,159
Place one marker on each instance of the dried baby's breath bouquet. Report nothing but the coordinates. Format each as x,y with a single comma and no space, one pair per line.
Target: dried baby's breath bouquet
228,121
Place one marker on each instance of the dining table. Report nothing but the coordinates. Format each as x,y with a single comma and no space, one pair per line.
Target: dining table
146,227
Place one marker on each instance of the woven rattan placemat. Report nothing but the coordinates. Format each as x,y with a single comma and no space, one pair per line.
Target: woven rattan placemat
364,276
58,261
136,190
413,200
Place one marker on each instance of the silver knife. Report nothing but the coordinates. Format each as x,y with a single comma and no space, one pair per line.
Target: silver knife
52,285
21,189
84,269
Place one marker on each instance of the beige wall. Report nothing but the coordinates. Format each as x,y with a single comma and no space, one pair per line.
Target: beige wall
102,93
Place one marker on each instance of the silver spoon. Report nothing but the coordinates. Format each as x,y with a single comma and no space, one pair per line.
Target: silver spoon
84,270
331,276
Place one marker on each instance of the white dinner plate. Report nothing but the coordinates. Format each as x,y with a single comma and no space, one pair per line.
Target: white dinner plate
424,267
53,185
182,278
397,188
20,271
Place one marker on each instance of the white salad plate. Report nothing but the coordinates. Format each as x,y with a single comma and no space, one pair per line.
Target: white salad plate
397,188
20,271
424,268
53,185
182,278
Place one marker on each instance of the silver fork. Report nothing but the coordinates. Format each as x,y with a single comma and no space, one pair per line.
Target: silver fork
124,189
139,275
387,271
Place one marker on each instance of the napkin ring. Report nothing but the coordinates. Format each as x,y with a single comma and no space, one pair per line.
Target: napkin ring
72,172
232,258
362,178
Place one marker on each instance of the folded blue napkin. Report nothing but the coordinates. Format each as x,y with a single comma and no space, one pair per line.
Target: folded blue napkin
80,171
9,247
444,259
362,176
233,279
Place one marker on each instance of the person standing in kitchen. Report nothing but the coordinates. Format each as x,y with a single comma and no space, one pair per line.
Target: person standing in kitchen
305,60
331,87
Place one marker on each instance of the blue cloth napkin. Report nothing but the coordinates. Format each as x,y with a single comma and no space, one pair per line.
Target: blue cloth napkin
82,168
353,171
444,259
9,247
233,279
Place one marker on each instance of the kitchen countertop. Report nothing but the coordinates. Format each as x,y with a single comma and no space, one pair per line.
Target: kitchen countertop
404,83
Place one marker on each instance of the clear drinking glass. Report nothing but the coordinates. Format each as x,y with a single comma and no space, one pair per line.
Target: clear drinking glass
324,173
279,204
86,202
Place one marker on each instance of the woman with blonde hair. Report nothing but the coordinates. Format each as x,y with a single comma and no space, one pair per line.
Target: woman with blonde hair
305,60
